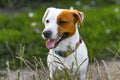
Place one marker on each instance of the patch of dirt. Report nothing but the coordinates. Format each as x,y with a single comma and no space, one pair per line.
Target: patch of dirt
106,70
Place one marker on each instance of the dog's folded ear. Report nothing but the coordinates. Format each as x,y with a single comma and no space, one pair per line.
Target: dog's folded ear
79,16
46,13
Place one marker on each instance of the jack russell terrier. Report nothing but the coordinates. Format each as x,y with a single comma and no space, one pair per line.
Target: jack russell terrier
65,43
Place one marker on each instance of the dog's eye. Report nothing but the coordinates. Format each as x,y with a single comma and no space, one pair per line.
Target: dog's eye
61,22
47,21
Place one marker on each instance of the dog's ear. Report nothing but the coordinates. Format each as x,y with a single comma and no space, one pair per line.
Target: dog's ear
79,16
45,14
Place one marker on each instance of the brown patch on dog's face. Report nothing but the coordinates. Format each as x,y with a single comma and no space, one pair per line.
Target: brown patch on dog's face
67,21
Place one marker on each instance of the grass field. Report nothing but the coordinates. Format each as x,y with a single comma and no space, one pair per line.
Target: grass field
100,31
106,70
98,70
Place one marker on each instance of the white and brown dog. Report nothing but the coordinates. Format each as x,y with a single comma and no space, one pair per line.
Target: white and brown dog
64,41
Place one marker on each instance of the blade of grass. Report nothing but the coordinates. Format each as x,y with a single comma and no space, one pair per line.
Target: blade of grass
107,72
97,66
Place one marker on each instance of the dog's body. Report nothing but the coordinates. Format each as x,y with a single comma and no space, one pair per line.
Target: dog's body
57,23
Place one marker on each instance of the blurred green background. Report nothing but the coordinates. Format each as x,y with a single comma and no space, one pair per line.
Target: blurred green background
20,24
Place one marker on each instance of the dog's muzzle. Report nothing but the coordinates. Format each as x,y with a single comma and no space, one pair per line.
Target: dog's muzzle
52,43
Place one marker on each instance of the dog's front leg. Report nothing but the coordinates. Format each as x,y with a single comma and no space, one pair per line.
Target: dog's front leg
50,70
51,66
83,74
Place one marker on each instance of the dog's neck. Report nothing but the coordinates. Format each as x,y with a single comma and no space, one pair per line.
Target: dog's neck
71,42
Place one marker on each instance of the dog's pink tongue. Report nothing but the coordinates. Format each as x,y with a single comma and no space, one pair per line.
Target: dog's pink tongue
50,43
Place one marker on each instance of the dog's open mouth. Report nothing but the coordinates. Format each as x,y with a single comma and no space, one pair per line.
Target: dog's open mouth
52,43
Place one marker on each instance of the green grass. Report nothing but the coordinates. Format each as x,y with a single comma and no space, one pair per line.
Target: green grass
100,31
36,70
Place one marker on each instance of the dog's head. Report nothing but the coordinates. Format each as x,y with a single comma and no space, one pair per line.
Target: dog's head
60,23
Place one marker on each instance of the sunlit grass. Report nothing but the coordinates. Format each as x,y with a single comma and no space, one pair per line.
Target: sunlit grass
98,70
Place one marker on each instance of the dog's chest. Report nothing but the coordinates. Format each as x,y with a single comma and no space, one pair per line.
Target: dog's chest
60,62
65,44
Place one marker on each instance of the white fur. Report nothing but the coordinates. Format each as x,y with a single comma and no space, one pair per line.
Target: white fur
81,53
51,15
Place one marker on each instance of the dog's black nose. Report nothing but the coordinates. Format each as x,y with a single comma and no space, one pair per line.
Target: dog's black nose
47,34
